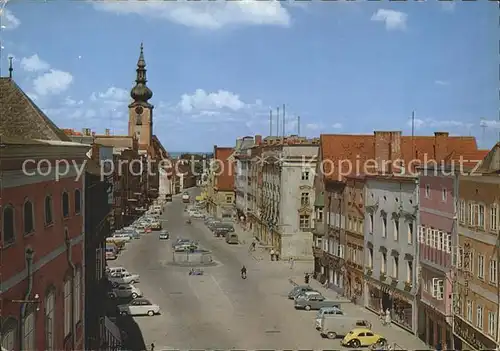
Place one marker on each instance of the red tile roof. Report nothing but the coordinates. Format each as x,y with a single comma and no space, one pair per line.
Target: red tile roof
224,179
341,150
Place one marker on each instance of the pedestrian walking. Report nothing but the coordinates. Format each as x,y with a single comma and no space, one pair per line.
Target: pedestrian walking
387,317
272,254
291,261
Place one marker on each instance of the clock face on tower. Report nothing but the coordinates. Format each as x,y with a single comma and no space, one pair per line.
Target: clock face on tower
138,110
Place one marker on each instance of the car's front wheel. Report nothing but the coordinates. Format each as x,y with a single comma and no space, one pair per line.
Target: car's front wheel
331,335
355,343
134,295
307,308
123,313
151,313
381,342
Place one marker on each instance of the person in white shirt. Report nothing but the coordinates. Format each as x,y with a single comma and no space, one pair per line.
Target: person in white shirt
272,254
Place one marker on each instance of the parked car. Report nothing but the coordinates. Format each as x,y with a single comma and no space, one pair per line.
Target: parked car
340,326
156,225
110,254
362,337
220,232
123,278
297,290
197,215
307,293
122,237
232,238
125,291
115,270
313,302
139,307
164,235
327,312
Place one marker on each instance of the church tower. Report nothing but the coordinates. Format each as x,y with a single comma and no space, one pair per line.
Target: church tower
140,111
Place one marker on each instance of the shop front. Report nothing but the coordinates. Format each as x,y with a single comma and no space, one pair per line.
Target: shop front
433,328
399,303
468,338
354,285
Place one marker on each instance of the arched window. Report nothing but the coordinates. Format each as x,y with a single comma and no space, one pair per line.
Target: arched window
8,334
48,210
9,235
28,217
78,201
65,204
29,332
50,302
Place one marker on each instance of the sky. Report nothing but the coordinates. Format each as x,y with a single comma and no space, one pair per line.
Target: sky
217,68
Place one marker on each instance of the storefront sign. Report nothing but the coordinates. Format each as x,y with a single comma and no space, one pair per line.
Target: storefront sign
471,336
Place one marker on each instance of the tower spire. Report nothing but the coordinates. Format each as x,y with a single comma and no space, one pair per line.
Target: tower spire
140,92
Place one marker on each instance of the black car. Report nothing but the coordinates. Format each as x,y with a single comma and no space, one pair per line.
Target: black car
220,232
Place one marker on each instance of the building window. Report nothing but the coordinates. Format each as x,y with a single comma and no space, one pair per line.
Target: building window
481,222
48,210
67,307
492,323
229,199
473,214
395,267
9,234
409,271
29,332
340,250
444,194
371,222
427,191
494,217
448,243
9,339
78,201
461,211
49,321
396,229
370,258
434,238
28,217
319,215
480,266
383,265
78,295
304,222
437,288
469,311
305,175
493,272
479,317
304,199
410,232
384,226
65,204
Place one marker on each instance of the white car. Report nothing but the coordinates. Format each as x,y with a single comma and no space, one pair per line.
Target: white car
123,278
138,307
124,291
197,215
122,237
115,270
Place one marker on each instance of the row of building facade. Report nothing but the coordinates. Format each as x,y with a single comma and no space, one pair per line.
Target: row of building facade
54,221
409,224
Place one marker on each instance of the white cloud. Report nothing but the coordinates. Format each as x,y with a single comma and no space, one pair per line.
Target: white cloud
495,124
393,20
441,82
201,100
34,64
337,126
52,82
9,21
434,123
212,15
113,94
68,101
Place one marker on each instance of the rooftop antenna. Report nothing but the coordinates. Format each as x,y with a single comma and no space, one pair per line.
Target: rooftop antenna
283,126
270,122
298,126
413,132
11,69
278,122
483,126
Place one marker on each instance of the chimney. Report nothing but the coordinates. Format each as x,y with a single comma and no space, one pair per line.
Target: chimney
387,148
440,145
107,132
258,139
